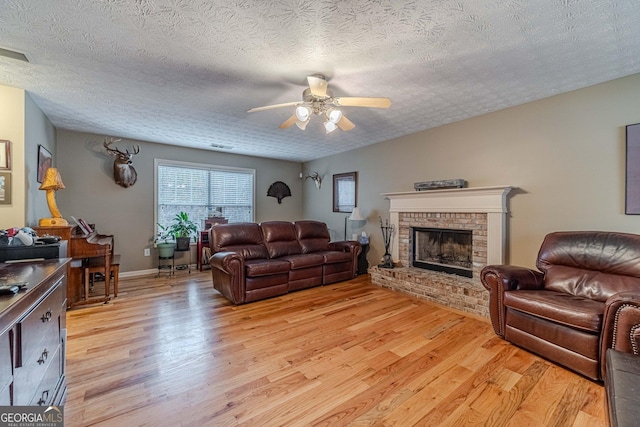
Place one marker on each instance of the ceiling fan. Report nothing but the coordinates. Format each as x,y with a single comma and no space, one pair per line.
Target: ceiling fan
319,100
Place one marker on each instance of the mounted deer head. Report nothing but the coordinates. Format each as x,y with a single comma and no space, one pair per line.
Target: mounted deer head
316,178
123,171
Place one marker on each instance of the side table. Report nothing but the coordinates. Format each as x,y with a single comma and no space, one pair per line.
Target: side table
165,263
183,266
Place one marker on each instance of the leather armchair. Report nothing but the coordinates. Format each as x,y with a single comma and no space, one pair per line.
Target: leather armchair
584,298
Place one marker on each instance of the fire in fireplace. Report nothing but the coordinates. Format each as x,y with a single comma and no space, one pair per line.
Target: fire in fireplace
441,249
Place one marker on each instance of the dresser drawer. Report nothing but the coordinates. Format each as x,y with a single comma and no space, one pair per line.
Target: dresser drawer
27,378
44,320
46,391
6,372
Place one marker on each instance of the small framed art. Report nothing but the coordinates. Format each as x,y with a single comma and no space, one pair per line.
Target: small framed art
5,155
5,188
345,191
44,162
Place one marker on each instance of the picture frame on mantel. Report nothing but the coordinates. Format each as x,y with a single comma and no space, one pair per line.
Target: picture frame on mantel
632,193
5,154
345,192
45,161
5,188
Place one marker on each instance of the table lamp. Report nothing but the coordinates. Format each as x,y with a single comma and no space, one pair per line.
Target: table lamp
356,215
52,182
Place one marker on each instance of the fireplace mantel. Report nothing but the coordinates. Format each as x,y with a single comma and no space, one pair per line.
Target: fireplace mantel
489,200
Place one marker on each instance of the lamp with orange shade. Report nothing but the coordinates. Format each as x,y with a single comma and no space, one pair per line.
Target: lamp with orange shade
52,182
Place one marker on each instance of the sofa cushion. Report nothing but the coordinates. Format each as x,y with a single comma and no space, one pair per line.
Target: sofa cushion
312,235
334,257
280,238
593,265
264,267
242,238
304,260
574,311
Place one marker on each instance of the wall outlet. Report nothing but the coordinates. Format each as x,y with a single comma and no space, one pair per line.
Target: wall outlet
147,252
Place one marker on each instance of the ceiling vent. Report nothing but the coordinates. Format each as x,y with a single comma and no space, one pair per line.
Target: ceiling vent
13,55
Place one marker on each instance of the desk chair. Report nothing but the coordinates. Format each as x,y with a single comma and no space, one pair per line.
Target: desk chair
97,265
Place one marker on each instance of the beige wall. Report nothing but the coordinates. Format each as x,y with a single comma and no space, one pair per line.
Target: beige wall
565,153
24,124
92,194
12,128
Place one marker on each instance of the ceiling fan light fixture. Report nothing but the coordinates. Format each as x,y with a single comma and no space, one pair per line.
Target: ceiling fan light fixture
303,113
334,115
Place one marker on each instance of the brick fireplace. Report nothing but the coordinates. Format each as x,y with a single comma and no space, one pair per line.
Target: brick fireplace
483,211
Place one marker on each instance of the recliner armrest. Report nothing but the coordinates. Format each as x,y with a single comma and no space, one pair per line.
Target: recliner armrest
500,278
345,246
621,324
229,262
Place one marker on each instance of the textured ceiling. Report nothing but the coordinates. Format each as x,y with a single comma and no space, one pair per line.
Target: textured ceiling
184,72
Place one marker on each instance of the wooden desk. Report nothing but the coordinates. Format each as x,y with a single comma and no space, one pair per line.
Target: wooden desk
80,248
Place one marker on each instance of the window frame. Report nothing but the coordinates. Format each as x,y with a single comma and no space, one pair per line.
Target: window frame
203,166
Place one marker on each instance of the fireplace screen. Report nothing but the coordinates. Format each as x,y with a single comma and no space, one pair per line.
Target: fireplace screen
444,250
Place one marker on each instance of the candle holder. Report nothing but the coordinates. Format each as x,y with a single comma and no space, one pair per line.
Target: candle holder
387,232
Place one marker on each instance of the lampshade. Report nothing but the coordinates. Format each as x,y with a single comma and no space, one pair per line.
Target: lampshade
356,215
52,180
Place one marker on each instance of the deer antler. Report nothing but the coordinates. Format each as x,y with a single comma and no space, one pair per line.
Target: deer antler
111,150
315,177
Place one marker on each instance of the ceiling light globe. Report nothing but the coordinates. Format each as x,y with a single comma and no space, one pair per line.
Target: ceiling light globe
334,115
330,126
303,113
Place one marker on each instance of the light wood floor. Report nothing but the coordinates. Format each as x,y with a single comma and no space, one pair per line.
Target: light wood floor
173,352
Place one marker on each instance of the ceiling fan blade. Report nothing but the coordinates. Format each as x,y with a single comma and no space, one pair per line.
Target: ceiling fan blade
317,86
289,122
269,107
345,124
350,101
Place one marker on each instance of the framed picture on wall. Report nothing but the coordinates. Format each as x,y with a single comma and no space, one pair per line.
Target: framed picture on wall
345,191
5,155
5,188
632,196
44,162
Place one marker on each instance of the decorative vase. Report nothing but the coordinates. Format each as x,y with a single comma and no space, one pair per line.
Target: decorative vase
165,250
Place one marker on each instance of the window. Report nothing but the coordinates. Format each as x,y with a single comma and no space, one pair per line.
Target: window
203,191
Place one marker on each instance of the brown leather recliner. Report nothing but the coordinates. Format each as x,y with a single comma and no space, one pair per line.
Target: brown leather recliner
569,310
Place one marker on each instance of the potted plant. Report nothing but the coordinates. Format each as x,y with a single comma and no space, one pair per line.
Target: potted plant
164,241
182,229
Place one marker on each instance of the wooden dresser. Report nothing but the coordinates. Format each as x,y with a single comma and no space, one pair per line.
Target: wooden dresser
33,334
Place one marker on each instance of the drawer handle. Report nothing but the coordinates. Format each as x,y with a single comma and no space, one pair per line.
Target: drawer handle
44,398
47,316
43,358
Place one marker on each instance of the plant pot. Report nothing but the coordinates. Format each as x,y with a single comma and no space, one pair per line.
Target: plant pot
165,250
182,243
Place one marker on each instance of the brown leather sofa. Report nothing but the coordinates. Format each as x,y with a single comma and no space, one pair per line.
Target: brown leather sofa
251,261
569,310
